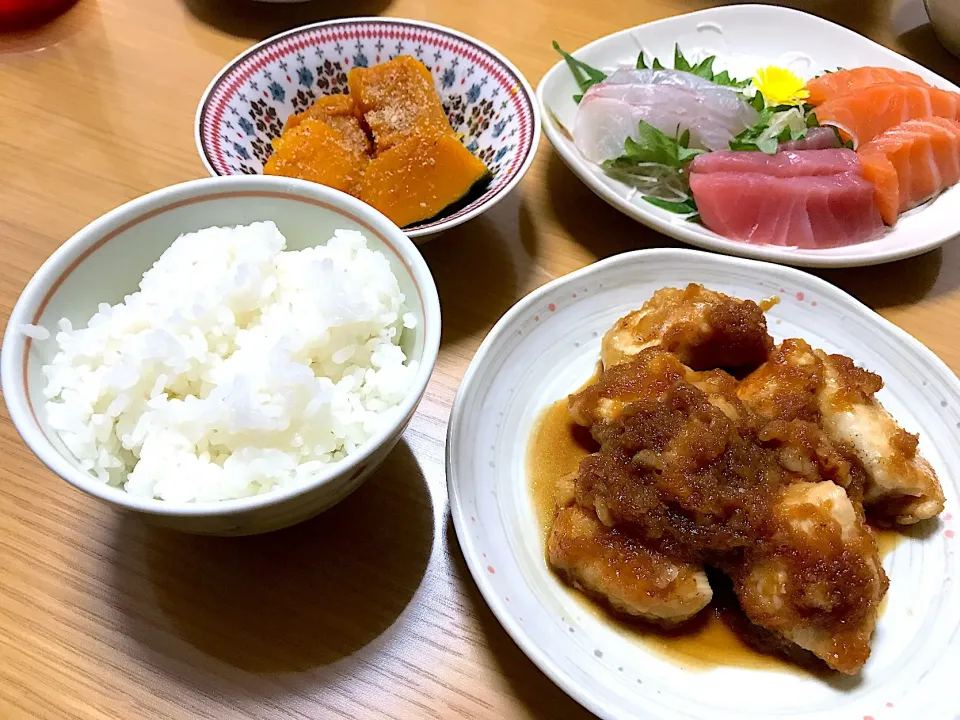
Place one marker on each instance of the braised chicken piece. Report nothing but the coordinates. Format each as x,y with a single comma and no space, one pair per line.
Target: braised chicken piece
765,479
786,386
705,329
804,450
689,471
817,579
902,487
617,569
649,381
799,382
680,464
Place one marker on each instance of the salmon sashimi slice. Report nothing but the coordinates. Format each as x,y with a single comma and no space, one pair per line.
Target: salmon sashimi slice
866,113
878,170
811,212
846,82
786,163
911,163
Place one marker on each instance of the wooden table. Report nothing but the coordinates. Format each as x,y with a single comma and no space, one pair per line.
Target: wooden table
367,611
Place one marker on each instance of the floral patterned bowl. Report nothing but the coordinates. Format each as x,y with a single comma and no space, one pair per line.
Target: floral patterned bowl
486,98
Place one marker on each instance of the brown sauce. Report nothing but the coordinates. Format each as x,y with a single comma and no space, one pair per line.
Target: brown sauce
558,445
709,640
887,540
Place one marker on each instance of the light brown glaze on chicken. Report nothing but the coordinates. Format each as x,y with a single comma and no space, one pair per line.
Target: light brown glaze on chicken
687,474
803,449
618,570
798,382
785,387
688,470
816,580
765,478
902,487
704,328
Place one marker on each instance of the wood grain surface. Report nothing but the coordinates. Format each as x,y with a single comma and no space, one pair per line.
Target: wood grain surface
367,611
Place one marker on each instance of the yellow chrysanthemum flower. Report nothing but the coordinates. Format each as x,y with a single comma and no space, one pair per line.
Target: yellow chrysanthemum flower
780,86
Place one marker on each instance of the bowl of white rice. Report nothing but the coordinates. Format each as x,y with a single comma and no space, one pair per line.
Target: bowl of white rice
226,356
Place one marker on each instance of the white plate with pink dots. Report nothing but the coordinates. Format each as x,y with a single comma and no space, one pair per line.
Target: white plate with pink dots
545,347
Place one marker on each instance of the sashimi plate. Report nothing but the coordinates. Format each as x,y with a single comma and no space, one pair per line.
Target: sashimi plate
745,38
548,345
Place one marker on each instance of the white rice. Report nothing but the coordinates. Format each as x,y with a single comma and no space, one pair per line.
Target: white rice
236,369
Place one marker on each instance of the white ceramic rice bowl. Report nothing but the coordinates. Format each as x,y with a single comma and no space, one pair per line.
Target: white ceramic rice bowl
105,260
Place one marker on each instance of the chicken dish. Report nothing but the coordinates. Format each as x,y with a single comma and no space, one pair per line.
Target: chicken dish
717,449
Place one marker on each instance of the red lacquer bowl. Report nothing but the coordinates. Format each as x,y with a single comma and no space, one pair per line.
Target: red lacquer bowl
17,14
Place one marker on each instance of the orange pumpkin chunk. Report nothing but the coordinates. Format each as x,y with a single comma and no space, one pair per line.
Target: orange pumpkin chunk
324,108
340,113
418,177
388,142
398,99
312,150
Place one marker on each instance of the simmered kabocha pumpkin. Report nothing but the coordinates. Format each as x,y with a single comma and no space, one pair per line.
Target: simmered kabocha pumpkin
417,178
313,150
398,99
340,113
388,143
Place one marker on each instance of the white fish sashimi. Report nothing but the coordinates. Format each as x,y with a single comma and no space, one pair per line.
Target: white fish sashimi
675,78
669,100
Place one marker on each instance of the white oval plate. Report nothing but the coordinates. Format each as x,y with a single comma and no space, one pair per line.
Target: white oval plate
546,346
745,37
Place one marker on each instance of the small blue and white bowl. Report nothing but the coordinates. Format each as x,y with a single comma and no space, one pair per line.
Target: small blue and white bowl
488,101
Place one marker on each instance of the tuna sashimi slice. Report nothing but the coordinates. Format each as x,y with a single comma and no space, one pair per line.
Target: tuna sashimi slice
808,212
846,82
787,163
911,163
817,138
866,113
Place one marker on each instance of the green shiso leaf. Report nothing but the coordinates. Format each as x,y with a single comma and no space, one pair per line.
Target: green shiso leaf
679,61
654,146
703,69
584,74
681,207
